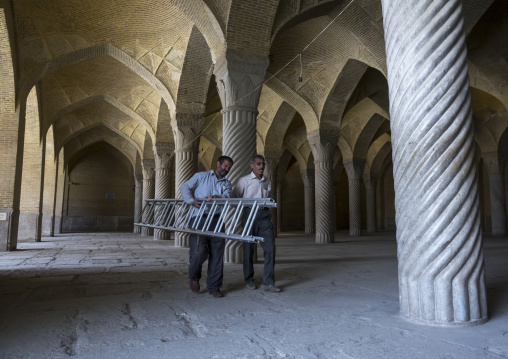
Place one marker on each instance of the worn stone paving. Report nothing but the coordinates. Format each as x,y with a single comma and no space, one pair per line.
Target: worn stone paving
121,295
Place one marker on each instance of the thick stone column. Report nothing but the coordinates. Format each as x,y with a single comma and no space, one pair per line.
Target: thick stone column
239,79
354,169
279,206
49,190
163,154
138,200
308,178
148,188
59,196
497,193
186,131
370,192
441,271
323,151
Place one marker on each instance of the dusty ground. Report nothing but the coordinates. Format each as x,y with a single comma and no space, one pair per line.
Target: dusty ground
125,296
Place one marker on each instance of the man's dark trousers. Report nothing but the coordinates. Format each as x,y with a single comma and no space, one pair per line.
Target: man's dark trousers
262,227
203,247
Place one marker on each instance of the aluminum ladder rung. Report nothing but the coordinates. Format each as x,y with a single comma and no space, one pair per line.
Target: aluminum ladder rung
176,215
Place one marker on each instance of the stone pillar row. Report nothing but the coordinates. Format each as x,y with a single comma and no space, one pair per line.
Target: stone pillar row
138,201
370,192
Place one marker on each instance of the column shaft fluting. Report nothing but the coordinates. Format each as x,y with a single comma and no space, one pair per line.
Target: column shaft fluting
324,200
441,271
309,198
148,193
279,206
355,208
498,204
162,190
186,163
370,194
239,143
138,203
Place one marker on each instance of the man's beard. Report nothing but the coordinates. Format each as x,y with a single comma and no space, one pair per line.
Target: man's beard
222,172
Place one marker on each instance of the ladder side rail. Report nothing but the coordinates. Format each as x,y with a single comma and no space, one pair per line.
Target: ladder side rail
250,239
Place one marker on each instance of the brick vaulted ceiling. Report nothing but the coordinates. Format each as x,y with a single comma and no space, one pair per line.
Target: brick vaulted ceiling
106,66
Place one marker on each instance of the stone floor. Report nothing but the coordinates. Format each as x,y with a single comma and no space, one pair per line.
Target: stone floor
120,295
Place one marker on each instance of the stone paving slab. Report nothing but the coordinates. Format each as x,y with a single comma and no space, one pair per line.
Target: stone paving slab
126,296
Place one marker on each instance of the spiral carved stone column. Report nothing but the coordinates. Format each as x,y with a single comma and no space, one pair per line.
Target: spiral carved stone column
162,190
239,143
354,171
441,271
497,194
308,178
323,152
138,202
186,163
370,192
148,193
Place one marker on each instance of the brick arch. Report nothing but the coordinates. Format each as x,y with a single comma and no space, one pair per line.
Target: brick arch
277,130
376,155
359,126
484,138
59,145
195,76
245,19
367,135
110,138
91,52
339,95
93,99
207,23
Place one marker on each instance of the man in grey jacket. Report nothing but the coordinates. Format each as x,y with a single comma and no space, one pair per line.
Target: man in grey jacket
212,184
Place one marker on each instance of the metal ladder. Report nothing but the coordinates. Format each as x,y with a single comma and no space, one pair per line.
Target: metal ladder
175,215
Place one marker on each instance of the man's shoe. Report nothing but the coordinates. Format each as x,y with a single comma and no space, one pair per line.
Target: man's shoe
194,286
250,285
271,288
216,294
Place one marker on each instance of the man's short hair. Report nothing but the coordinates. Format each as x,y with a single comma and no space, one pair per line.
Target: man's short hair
223,158
253,158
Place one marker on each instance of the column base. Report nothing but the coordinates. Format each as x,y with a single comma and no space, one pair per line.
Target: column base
325,238
9,229
431,323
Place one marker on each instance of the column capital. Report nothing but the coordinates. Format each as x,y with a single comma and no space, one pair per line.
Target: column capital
308,177
163,152
354,168
148,168
493,162
239,78
323,146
